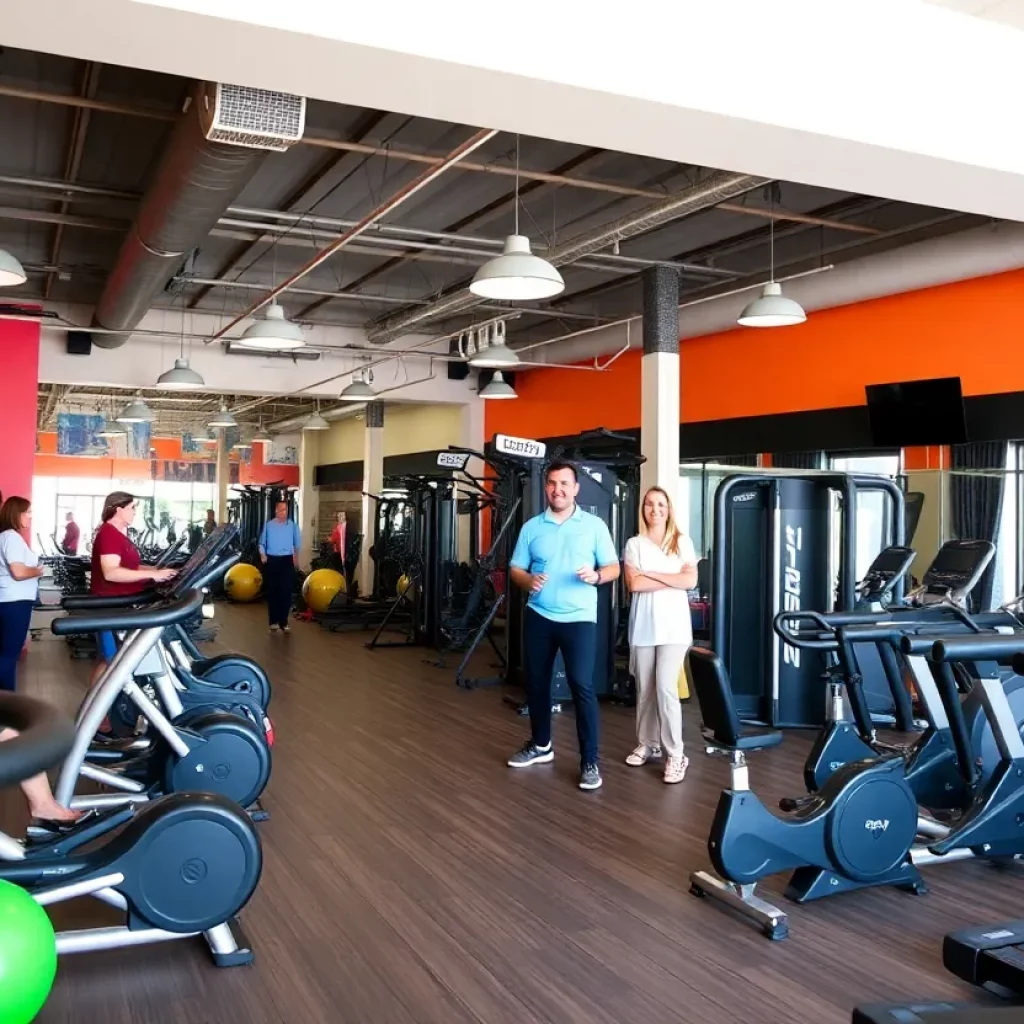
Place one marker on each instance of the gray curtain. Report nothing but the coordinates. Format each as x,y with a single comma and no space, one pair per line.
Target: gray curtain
977,502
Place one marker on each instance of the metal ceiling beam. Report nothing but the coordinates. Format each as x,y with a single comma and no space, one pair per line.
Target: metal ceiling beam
474,142
430,160
716,188
297,195
468,220
76,146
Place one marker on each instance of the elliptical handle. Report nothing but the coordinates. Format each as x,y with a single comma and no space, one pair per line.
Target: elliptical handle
161,614
782,622
45,737
94,602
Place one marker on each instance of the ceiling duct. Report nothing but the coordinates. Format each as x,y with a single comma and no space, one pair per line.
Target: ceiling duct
714,189
216,146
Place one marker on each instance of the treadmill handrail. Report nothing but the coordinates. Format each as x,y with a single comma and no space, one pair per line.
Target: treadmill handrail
94,602
781,625
151,616
986,647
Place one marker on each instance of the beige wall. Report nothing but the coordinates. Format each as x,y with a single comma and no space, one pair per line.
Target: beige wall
407,428
934,528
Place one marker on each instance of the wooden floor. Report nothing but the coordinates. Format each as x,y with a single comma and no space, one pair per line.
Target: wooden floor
411,877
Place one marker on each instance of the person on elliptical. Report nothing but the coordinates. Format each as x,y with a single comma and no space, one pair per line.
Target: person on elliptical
19,587
117,567
279,553
661,566
561,557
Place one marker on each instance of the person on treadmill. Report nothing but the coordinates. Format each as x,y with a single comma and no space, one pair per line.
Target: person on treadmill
117,567
561,557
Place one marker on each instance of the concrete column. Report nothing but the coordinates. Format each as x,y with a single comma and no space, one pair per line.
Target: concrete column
659,381
373,482
223,476
309,503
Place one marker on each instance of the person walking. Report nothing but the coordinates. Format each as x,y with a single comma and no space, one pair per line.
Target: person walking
661,566
72,535
560,559
279,553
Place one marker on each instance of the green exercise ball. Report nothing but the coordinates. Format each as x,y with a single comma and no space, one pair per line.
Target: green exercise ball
28,955
322,586
243,582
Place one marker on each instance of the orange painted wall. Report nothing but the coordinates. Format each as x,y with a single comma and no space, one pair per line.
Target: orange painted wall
969,329
256,472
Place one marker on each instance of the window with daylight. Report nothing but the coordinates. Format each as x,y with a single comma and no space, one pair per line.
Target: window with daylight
873,512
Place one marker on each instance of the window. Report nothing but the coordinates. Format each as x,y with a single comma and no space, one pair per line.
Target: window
1006,584
873,513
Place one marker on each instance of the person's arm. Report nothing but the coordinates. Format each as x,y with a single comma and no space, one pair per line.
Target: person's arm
686,578
519,564
607,567
16,553
263,542
19,571
296,542
114,572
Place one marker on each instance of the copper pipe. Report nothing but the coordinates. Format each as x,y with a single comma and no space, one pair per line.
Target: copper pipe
382,210
423,158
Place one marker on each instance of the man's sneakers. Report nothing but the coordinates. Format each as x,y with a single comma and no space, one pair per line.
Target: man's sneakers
530,753
590,777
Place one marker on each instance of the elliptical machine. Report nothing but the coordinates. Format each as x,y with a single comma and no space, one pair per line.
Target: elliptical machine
178,866
860,829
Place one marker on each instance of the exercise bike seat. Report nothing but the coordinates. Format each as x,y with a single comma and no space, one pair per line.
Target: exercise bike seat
722,727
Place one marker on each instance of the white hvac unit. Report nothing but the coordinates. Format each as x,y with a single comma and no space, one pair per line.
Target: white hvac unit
238,115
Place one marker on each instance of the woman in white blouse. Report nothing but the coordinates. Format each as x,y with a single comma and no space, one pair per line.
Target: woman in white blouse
661,566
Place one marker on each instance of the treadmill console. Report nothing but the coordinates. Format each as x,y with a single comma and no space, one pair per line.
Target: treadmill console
955,571
888,568
213,548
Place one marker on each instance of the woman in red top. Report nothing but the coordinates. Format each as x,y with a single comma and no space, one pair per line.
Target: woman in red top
116,566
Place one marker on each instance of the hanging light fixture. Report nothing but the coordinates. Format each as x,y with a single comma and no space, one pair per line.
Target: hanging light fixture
316,422
11,271
517,274
261,436
491,351
771,308
180,377
242,443
111,430
222,418
497,388
359,390
275,331
136,411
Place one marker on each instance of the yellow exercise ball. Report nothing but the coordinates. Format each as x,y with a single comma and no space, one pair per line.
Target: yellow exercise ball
243,582
405,583
321,587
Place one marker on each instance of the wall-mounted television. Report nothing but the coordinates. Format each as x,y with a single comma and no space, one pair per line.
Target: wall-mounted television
914,413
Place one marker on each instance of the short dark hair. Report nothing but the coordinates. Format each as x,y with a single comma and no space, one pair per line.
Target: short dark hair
559,464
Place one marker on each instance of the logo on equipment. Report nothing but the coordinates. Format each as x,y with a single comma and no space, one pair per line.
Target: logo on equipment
193,871
876,826
791,586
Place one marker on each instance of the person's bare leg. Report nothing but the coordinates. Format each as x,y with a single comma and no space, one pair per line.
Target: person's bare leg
39,796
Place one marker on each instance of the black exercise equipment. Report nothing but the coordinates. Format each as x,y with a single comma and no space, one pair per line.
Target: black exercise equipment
860,829
178,866
773,542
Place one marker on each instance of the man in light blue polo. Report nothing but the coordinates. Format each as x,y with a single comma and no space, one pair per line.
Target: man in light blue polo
561,557
279,553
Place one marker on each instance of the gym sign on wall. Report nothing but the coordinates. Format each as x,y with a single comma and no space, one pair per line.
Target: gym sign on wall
452,460
520,446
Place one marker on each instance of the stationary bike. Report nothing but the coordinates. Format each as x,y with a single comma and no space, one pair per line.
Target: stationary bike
211,750
179,866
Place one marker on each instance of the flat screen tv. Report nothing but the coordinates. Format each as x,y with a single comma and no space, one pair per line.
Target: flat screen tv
917,412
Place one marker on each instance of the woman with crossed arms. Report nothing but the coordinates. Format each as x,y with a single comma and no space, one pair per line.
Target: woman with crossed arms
661,566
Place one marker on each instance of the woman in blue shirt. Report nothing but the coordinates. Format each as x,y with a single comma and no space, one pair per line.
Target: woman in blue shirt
279,553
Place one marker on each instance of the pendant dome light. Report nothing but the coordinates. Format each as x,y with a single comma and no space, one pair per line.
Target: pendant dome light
771,308
498,388
517,275
180,377
12,273
491,351
222,418
316,422
359,390
274,332
136,411
261,436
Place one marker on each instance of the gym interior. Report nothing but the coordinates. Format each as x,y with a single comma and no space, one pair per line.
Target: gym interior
319,314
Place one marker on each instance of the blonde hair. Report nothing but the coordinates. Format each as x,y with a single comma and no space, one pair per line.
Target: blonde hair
670,544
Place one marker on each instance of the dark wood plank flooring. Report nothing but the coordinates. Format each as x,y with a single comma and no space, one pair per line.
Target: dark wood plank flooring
411,877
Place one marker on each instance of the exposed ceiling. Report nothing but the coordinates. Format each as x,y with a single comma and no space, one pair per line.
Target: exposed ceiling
1009,12
81,142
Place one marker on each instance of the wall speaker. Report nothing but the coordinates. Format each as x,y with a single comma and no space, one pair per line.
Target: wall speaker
458,370
79,343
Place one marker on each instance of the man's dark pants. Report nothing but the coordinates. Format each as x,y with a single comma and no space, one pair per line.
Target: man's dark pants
278,584
577,641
